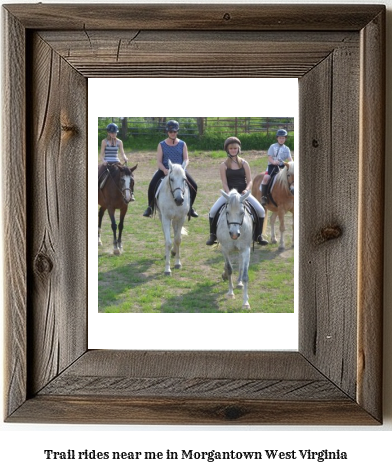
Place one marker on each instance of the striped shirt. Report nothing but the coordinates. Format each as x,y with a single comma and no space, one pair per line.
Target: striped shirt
172,153
111,152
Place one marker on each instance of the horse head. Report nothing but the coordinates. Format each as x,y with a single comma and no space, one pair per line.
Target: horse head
127,183
177,181
235,211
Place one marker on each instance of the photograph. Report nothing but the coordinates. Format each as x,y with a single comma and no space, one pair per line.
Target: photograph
196,214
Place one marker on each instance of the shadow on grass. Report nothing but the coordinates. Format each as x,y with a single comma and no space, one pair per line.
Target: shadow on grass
201,299
114,282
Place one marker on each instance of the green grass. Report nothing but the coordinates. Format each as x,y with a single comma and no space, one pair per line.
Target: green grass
134,282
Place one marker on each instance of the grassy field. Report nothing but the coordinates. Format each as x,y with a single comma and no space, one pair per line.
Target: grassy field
134,282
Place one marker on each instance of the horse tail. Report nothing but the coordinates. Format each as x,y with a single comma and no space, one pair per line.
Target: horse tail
256,191
264,229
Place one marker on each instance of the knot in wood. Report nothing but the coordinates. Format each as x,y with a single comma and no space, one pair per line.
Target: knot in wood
315,143
227,16
232,413
69,128
43,264
328,233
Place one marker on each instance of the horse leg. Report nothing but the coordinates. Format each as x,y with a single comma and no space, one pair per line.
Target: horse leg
282,229
274,215
116,250
177,226
240,284
229,272
245,258
168,244
293,230
101,212
123,211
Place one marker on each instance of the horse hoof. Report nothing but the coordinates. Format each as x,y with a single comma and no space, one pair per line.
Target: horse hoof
177,267
116,252
246,306
282,247
167,273
99,244
274,241
240,285
230,296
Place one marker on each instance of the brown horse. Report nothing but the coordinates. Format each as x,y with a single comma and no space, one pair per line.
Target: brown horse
280,199
115,191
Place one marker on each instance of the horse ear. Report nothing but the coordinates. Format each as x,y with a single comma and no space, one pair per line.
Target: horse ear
225,195
170,165
184,165
133,169
244,196
287,165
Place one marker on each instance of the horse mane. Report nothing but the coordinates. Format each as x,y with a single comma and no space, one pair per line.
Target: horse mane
281,177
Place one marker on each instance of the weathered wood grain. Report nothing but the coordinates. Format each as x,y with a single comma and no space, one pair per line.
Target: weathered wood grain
100,409
14,211
127,53
371,215
193,17
329,98
57,214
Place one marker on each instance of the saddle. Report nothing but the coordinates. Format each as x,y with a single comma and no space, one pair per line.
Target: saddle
270,187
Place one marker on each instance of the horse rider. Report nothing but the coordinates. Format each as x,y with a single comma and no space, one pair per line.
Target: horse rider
278,153
235,173
175,150
110,146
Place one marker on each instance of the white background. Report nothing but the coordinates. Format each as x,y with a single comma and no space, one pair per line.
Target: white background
208,98
21,446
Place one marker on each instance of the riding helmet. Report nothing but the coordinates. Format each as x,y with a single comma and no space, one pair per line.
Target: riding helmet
231,140
281,133
112,128
172,126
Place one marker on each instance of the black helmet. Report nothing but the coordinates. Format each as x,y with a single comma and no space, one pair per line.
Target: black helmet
172,126
281,133
112,128
231,140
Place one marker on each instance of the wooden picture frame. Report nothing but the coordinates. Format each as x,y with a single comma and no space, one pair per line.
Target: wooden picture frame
338,54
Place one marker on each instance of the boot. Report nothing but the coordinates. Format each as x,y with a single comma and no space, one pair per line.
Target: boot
212,240
193,213
148,211
258,237
264,199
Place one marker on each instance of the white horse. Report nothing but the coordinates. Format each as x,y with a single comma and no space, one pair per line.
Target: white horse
173,205
234,233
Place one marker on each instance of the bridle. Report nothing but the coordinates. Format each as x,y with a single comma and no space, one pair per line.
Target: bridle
236,223
175,189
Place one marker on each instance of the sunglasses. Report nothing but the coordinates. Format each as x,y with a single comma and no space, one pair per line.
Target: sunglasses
173,131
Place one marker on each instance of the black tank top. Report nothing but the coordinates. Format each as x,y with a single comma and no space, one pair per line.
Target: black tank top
236,179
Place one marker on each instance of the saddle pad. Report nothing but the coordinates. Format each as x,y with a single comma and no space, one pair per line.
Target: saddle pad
158,188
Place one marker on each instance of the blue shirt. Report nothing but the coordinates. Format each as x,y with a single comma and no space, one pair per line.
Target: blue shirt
172,153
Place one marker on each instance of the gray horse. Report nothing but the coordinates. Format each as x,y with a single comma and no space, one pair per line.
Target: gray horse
234,233
173,205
